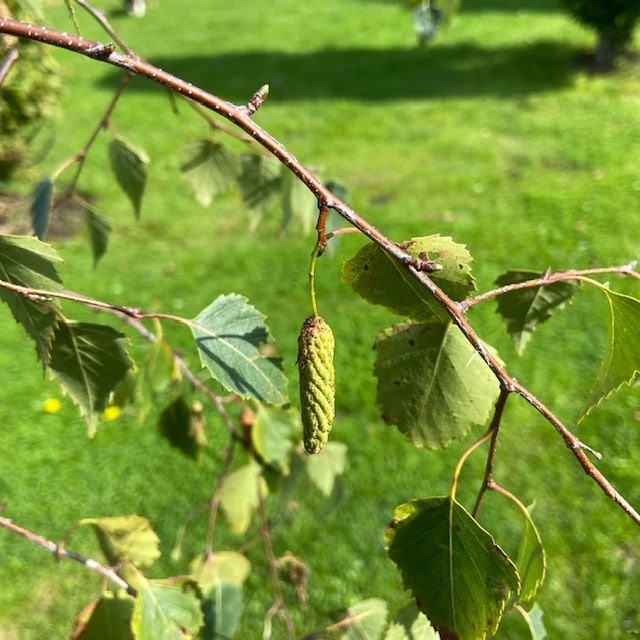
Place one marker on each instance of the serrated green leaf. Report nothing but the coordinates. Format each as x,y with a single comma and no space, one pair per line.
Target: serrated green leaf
531,562
326,466
222,610
367,620
621,363
298,203
211,569
260,183
380,279
228,334
210,168
165,612
41,203
109,619
523,310
239,496
27,262
460,578
128,537
431,383
179,426
129,165
98,229
411,624
274,436
88,360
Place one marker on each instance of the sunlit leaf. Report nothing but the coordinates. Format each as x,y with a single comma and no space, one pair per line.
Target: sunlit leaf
381,279
228,334
165,612
128,537
531,562
239,496
260,183
230,567
274,435
129,165
27,262
41,203
326,466
523,310
108,619
210,168
431,383
411,624
621,363
88,360
460,578
367,620
98,229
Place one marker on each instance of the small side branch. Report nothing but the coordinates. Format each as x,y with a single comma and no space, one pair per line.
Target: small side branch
9,59
55,550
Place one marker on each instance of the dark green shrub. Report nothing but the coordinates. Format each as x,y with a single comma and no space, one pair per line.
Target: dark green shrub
613,20
28,98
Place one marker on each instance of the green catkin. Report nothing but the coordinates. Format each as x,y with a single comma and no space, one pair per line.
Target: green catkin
317,382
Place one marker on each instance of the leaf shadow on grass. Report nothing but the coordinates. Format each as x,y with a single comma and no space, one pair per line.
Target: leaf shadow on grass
467,70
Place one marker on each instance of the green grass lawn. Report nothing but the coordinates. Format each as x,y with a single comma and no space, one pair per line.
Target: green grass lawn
490,135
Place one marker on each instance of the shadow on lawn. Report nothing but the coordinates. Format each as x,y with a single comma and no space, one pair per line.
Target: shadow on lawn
467,6
457,71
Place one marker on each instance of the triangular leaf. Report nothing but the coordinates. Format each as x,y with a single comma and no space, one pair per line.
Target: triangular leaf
533,618
260,183
228,334
126,537
88,360
180,427
239,496
298,203
165,612
222,609
380,279
98,229
531,562
129,165
27,262
367,620
211,569
326,466
523,310
41,203
431,383
274,435
411,624
210,168
108,619
460,578
621,363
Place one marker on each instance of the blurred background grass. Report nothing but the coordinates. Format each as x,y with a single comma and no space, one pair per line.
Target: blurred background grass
490,135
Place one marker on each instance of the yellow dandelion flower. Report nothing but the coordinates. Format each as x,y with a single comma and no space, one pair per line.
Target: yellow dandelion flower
111,413
51,405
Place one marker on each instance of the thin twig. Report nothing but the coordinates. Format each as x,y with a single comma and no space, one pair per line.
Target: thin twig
58,552
278,601
10,57
550,278
102,19
494,428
